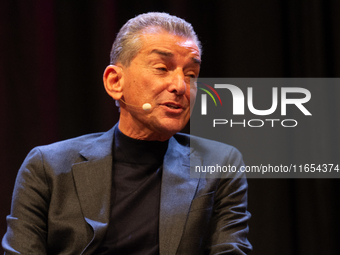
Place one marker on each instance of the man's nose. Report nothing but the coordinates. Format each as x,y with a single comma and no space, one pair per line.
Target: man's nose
178,84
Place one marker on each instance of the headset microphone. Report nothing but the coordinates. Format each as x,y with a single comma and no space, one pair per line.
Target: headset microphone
145,107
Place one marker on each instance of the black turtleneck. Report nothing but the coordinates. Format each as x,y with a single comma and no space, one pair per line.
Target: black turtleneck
135,196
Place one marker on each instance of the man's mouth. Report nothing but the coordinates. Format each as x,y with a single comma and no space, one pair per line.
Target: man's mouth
172,106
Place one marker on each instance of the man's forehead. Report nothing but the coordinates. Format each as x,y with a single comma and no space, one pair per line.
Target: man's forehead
169,54
165,44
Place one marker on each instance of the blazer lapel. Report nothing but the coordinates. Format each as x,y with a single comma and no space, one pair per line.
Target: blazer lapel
92,179
177,193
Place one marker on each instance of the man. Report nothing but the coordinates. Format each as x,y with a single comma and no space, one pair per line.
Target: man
129,191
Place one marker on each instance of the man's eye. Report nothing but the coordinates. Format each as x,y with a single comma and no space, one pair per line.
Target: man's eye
191,75
162,69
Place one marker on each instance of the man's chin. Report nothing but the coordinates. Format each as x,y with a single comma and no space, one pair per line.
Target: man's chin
170,128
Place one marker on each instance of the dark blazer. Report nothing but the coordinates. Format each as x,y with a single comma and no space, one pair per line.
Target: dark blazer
61,199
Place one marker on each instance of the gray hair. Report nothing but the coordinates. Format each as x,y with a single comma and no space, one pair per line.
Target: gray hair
127,44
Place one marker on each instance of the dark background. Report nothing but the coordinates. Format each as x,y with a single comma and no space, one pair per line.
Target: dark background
53,54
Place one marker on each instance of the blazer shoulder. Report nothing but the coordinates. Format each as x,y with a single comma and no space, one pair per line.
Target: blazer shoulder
206,148
71,145
60,156
204,145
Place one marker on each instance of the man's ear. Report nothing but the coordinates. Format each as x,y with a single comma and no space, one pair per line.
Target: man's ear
112,79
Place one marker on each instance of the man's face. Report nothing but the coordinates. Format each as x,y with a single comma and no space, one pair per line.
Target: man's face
159,75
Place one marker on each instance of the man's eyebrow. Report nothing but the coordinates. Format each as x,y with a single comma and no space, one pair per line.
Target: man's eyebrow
196,61
169,54
163,53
